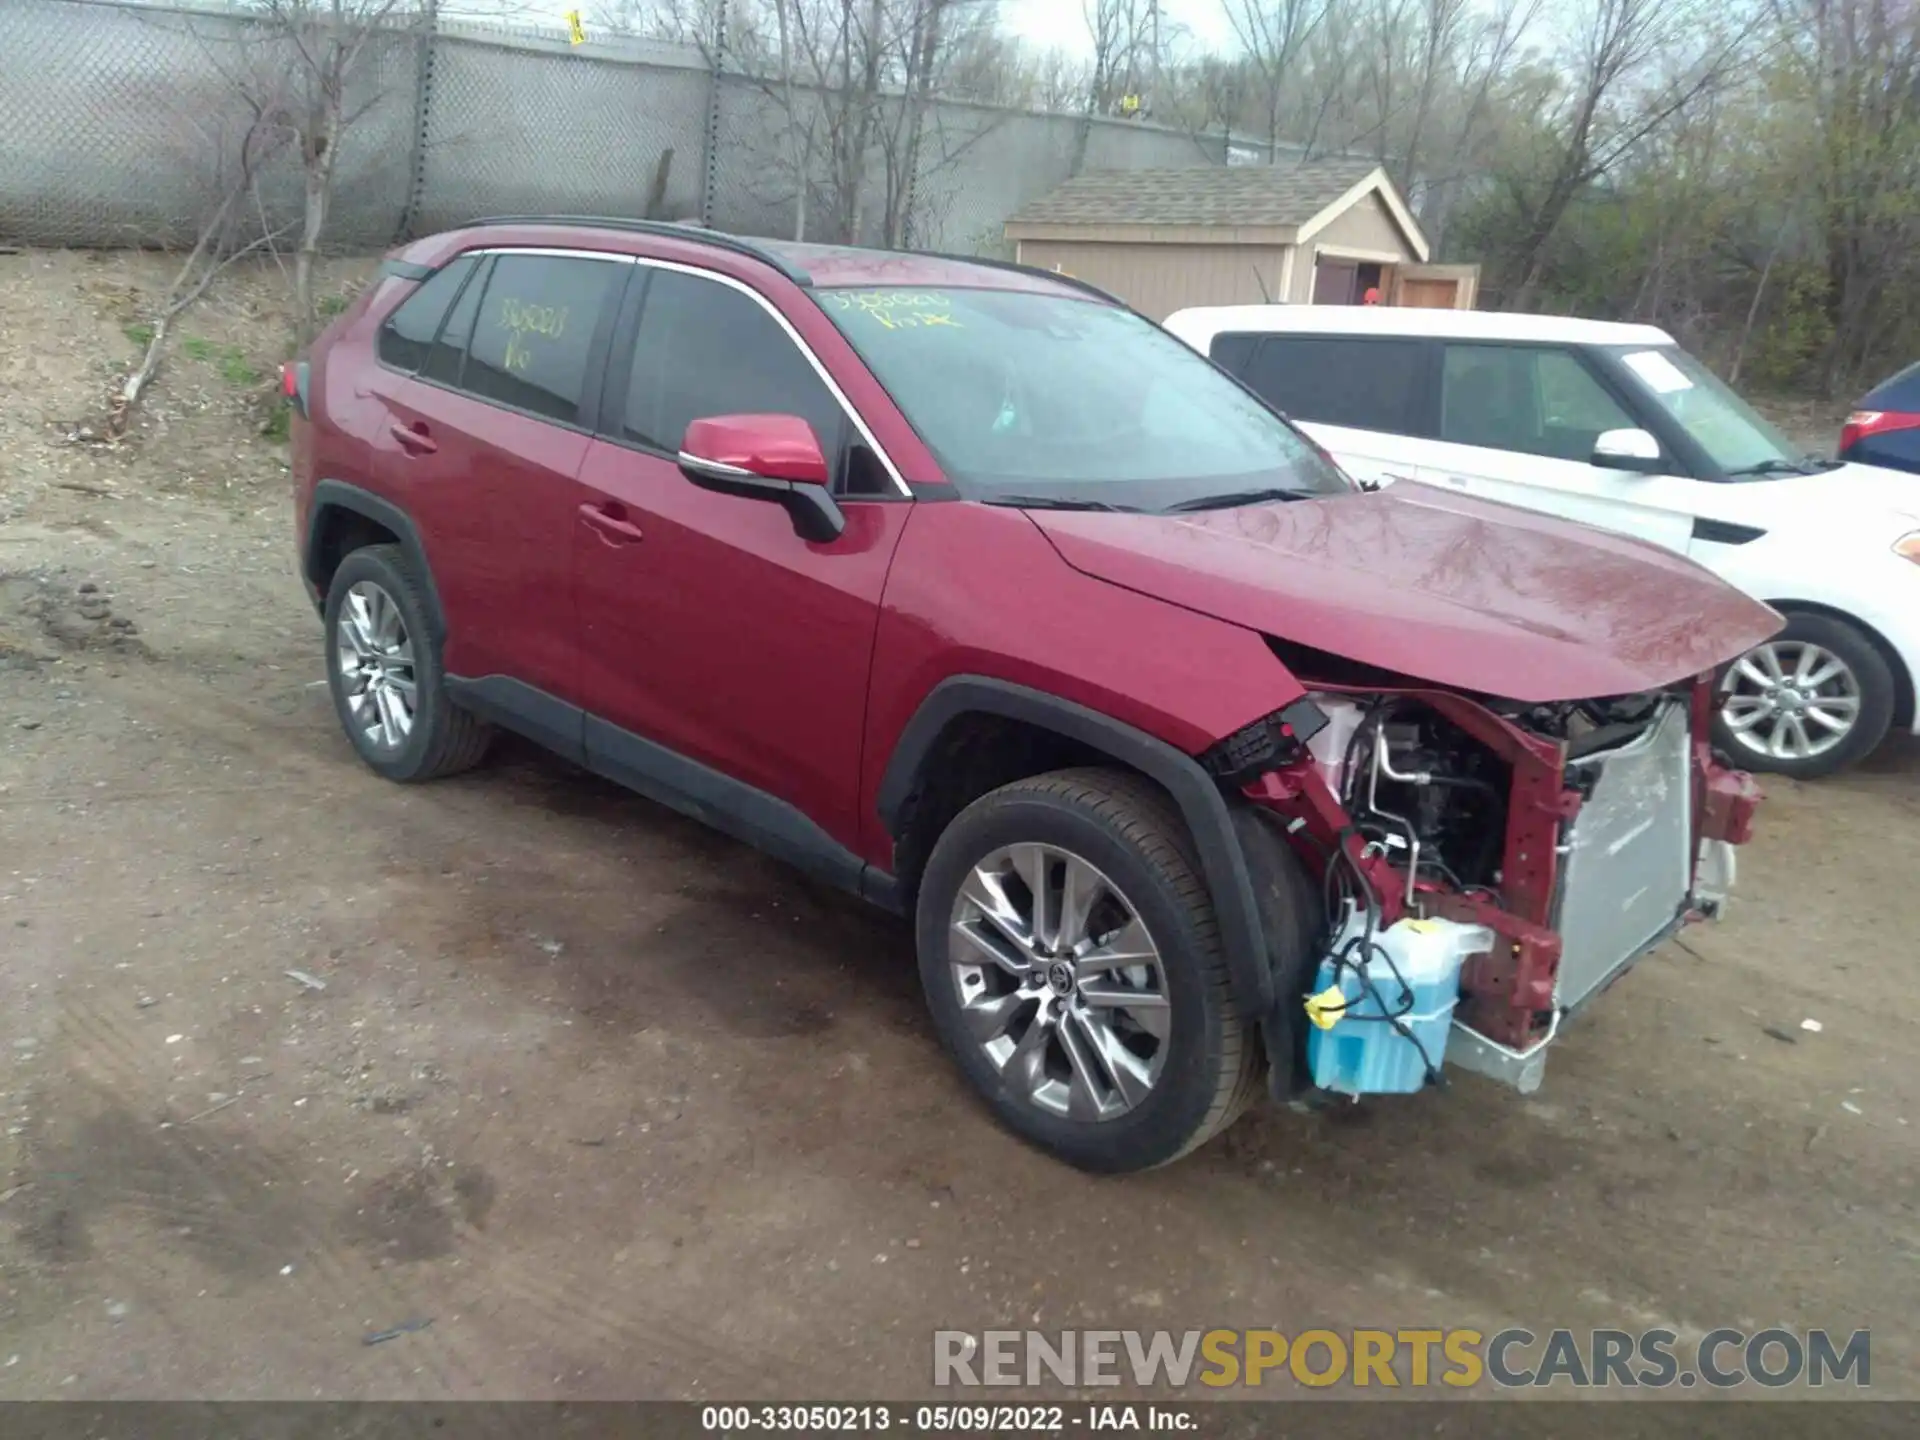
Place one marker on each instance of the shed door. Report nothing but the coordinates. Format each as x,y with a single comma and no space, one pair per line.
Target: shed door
1335,281
1437,287
1430,294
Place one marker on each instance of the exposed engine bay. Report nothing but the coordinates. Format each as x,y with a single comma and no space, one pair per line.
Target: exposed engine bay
1505,861
1433,799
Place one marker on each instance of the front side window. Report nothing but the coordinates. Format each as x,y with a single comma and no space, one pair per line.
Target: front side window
1061,400
1532,400
533,336
408,334
1737,442
704,349
1360,383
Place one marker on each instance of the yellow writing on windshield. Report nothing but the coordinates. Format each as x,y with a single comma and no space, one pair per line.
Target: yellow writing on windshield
523,321
898,309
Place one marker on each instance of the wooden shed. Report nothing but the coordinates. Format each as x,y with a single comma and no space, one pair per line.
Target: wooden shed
1328,232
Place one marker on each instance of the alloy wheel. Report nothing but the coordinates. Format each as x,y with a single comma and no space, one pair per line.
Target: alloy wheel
374,654
1059,982
1790,700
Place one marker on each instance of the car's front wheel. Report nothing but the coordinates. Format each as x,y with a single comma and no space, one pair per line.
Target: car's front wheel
383,669
1812,700
1073,967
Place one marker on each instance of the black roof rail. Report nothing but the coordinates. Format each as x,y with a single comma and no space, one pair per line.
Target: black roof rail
719,239
1060,277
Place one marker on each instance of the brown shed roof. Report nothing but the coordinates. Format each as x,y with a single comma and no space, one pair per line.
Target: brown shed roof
1224,195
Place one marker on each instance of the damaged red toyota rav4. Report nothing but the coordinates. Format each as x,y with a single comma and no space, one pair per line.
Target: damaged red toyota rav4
964,588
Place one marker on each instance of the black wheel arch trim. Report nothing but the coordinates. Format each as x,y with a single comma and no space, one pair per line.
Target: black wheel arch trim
332,495
1209,817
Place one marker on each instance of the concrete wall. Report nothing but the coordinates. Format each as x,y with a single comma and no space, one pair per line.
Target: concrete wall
118,123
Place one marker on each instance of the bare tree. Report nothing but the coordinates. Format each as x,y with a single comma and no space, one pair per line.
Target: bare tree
1273,33
923,41
1060,83
227,231
1323,77
1851,68
799,132
1633,66
707,25
1120,31
331,50
1122,35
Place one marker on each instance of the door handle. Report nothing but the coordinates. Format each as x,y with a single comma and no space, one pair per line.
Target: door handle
613,529
413,438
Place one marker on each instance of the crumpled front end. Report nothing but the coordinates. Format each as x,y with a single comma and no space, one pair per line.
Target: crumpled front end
1491,867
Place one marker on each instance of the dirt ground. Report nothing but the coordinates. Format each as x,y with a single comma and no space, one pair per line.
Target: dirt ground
624,1109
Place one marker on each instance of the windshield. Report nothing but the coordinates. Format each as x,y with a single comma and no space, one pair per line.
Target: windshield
1736,439
1051,400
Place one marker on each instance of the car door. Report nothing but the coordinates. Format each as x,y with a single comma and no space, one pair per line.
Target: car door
1361,397
710,631
487,436
1517,423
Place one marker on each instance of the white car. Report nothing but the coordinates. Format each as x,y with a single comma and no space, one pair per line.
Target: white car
1617,426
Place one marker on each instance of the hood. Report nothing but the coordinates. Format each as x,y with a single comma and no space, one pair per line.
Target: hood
1439,587
1879,504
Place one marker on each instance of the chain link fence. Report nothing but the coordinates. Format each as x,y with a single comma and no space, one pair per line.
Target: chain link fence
122,124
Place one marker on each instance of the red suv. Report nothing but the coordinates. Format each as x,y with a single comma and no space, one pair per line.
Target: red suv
965,588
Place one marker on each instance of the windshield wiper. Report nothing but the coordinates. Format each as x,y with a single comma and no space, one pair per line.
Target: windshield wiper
1778,467
1058,502
1237,497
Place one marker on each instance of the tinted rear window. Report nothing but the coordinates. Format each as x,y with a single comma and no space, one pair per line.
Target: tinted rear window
534,336
1232,352
1364,384
449,351
409,331
1902,392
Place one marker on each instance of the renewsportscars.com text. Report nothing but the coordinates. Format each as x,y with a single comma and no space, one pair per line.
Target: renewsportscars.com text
1415,1359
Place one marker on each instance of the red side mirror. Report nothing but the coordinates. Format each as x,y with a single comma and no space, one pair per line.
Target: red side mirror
766,457
772,447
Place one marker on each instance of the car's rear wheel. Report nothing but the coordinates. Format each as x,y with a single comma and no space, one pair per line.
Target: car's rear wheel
383,669
1812,700
1072,963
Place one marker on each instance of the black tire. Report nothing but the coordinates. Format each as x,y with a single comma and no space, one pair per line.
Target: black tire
444,739
1877,701
1130,830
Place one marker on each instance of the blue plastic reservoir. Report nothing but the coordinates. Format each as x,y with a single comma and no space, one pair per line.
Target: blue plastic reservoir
1363,1052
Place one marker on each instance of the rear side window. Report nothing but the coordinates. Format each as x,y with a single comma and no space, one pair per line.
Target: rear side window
408,334
1364,384
533,336
449,350
1233,353
704,349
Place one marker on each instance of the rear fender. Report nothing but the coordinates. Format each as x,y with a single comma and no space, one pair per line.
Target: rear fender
333,497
